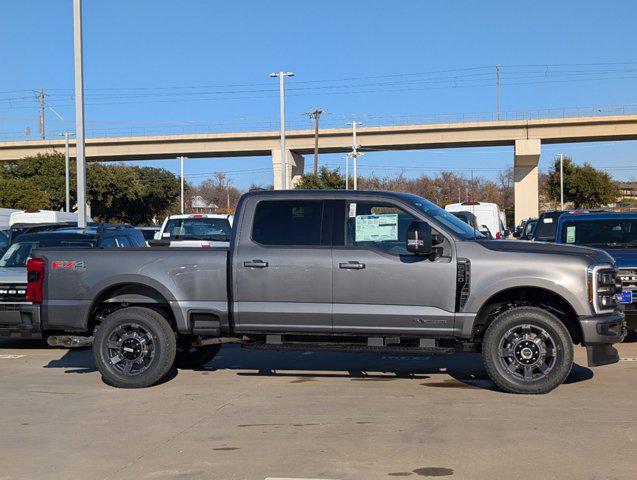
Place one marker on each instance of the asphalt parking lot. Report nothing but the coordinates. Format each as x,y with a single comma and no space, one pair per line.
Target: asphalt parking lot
260,414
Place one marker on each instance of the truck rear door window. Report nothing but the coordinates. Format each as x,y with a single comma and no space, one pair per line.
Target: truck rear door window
288,222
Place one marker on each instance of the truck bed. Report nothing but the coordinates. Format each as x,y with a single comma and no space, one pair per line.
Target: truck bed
189,280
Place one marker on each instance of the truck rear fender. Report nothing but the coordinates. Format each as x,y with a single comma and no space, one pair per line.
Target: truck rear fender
134,290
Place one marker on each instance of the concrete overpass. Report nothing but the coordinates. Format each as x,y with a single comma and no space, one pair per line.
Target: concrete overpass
526,136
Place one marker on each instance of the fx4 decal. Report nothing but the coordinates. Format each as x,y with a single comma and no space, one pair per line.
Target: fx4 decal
68,265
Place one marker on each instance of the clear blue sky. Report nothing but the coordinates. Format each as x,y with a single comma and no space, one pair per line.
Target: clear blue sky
166,66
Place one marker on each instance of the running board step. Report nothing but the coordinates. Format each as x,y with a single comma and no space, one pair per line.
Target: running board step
348,347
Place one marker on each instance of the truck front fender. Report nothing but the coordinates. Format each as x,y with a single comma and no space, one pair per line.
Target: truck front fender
574,294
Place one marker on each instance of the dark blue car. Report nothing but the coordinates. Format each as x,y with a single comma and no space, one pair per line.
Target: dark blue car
616,233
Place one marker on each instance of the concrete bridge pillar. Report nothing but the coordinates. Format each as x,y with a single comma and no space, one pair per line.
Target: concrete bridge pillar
295,166
525,177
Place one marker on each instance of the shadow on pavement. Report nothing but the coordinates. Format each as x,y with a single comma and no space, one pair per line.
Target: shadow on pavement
21,343
76,361
465,369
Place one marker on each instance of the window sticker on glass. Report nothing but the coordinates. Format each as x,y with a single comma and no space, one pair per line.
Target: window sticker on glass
548,220
570,234
298,212
352,210
377,228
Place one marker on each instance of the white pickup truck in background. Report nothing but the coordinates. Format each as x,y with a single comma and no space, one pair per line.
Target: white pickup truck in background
196,230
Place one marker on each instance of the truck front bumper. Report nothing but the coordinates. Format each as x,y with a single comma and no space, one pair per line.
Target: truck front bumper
20,320
600,332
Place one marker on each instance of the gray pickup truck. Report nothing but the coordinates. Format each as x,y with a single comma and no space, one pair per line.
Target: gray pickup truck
336,270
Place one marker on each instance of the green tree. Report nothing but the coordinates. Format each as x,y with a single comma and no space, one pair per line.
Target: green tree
326,179
584,186
43,173
23,194
116,193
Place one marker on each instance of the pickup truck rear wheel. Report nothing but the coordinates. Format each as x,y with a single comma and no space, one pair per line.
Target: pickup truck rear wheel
134,348
188,356
527,350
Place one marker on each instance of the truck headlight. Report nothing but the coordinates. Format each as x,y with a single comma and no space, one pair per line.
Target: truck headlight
603,286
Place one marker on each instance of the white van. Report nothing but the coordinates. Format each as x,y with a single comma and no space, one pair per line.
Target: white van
5,216
487,214
21,217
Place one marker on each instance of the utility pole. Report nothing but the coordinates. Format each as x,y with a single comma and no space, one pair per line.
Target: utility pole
284,173
181,183
355,153
497,73
79,114
561,181
41,118
347,172
315,115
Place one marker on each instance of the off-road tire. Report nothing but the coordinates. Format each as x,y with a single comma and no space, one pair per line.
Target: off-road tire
195,357
555,338
157,334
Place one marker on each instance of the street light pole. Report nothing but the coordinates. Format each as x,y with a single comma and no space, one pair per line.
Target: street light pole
67,173
79,114
181,184
561,181
355,153
284,173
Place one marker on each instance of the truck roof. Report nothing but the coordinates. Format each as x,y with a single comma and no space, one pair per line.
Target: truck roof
327,194
597,216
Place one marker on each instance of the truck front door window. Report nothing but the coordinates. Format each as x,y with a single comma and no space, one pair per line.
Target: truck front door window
375,225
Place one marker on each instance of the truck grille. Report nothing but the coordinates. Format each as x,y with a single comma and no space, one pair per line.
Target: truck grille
13,293
628,277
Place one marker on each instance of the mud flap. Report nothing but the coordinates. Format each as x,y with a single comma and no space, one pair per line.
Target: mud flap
599,355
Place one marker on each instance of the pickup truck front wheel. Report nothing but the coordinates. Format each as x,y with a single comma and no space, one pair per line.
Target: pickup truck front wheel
527,350
134,348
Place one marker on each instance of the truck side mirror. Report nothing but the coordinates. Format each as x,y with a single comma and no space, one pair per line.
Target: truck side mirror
419,240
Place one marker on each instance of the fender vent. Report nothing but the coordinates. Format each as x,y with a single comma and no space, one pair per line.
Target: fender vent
205,324
463,283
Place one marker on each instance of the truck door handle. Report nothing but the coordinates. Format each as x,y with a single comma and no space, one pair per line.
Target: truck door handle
352,265
255,264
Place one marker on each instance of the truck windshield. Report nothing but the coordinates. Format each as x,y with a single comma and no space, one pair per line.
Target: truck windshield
17,254
198,229
614,232
446,219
